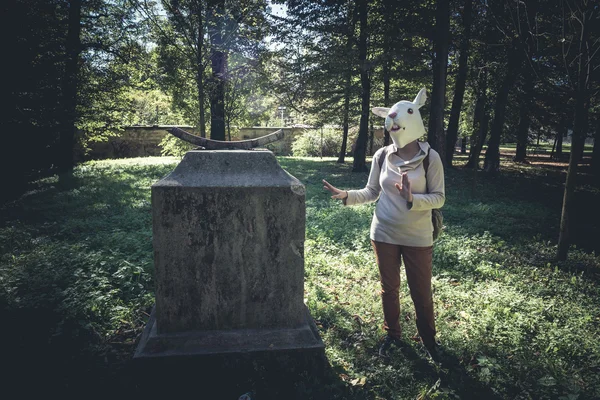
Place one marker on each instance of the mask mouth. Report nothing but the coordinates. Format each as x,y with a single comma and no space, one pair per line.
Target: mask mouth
395,128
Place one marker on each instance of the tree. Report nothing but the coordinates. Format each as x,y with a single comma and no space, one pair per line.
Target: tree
581,19
365,81
196,34
436,135
461,79
524,119
596,151
480,122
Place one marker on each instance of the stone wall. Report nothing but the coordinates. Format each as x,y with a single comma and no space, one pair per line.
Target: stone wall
281,147
143,141
135,141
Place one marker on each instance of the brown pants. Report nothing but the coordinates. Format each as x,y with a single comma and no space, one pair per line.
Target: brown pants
417,263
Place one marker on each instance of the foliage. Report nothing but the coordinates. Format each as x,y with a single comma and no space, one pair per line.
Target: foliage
173,146
76,282
317,142
151,107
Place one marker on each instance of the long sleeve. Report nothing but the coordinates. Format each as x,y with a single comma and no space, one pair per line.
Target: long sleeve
436,195
371,192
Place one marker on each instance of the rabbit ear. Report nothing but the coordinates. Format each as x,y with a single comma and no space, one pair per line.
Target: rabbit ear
421,98
381,111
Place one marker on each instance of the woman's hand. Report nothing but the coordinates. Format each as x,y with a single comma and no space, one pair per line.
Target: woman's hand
404,188
337,193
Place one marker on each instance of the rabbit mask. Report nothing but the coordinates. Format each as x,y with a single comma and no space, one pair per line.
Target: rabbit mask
403,121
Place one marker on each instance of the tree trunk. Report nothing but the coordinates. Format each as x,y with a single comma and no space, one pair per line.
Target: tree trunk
577,144
584,135
371,138
559,143
342,156
524,119
492,154
554,146
580,127
461,81
218,60
480,122
436,135
386,95
200,70
361,142
596,152
73,50
347,86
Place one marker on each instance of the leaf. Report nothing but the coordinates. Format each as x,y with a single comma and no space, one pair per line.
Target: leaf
359,381
547,381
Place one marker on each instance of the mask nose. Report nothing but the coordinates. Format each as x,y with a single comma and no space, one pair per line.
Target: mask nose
392,115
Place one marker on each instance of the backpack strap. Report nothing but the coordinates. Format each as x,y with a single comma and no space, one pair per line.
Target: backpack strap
382,158
426,167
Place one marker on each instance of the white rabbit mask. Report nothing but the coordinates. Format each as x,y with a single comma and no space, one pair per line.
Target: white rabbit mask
403,121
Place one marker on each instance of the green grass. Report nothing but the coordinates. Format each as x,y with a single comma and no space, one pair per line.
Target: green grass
76,285
544,147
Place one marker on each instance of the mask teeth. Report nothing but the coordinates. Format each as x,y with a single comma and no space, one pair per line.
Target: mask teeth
388,124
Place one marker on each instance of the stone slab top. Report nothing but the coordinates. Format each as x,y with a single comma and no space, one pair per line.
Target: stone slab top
230,168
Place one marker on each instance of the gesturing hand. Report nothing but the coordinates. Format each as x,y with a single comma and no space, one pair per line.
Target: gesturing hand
337,193
404,188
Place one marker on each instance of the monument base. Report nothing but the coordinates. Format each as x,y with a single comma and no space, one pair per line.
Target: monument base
226,364
215,342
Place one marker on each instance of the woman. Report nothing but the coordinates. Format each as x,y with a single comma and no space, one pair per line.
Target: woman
402,229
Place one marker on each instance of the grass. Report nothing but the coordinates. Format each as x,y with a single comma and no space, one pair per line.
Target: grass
76,285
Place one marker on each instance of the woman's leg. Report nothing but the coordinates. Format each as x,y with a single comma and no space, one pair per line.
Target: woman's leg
417,262
388,260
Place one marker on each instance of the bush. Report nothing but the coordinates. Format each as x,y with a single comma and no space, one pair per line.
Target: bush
308,144
173,146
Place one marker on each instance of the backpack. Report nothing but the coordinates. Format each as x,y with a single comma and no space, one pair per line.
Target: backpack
437,218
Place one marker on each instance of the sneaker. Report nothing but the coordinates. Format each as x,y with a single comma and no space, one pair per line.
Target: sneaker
434,352
384,349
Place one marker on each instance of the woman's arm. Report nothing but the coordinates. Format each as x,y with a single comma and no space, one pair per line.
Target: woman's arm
436,193
370,193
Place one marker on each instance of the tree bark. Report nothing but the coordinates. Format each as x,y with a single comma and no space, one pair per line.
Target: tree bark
365,80
218,59
580,126
436,136
480,123
584,134
492,154
596,152
371,138
200,70
461,81
345,123
386,97
577,144
347,86
554,146
71,79
559,143
524,119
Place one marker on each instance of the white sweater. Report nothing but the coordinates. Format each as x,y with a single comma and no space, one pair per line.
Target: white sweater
393,222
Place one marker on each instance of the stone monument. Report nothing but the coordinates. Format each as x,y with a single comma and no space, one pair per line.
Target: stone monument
228,238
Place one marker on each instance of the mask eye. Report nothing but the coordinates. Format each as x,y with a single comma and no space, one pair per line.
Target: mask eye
410,110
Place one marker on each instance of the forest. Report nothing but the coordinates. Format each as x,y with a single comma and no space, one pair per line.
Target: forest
513,111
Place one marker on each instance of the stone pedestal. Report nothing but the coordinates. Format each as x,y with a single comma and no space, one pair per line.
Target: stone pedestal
228,237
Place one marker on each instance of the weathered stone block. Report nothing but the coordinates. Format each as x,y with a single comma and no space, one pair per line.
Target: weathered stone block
228,237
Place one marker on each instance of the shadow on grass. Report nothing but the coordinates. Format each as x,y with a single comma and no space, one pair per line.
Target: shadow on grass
62,247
